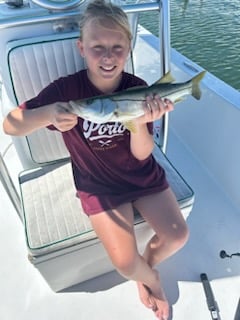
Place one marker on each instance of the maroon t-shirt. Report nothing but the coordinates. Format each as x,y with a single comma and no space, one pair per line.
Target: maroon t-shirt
106,174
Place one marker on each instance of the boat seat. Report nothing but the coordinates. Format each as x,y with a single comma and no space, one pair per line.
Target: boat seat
59,236
54,218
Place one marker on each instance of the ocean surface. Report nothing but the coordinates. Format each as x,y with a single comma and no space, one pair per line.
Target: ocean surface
208,33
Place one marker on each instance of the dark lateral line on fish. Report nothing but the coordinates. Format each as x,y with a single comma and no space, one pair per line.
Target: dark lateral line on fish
140,100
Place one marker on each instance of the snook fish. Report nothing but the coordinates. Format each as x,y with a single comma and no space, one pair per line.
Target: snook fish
128,104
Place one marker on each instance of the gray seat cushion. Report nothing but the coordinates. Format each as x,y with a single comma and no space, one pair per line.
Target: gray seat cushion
53,215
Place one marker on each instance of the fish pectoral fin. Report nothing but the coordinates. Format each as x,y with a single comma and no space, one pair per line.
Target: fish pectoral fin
196,92
130,126
180,99
167,78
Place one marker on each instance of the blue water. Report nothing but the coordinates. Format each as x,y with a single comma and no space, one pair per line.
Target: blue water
207,32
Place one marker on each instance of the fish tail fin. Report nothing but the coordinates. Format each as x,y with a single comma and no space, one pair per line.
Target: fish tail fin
196,92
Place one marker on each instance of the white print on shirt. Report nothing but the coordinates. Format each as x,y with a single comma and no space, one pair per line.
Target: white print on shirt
105,143
96,131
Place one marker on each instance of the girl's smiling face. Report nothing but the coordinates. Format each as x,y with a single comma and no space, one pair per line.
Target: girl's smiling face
105,47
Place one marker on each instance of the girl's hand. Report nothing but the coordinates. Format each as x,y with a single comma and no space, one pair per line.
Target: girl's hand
61,117
141,141
21,122
155,108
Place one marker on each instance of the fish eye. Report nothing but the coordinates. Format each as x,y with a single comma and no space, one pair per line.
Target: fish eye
116,114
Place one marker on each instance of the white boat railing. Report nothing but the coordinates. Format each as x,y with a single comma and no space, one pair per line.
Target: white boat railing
54,5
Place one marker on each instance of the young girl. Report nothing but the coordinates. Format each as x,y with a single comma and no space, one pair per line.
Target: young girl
113,168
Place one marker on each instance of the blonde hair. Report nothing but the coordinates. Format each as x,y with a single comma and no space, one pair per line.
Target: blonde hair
101,10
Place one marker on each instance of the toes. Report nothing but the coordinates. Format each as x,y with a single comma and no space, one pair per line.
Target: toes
161,308
145,296
162,311
157,303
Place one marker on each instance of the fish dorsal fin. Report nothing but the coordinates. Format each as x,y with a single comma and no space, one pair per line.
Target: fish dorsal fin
167,78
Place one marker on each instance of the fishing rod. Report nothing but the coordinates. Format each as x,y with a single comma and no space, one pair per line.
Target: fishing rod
237,314
211,302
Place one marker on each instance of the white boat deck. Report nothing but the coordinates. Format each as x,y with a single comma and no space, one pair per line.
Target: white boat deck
213,224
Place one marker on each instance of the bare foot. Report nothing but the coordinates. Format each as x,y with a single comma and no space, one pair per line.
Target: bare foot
145,295
154,299
161,308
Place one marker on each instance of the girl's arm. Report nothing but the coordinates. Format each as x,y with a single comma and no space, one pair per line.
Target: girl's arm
21,122
141,141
